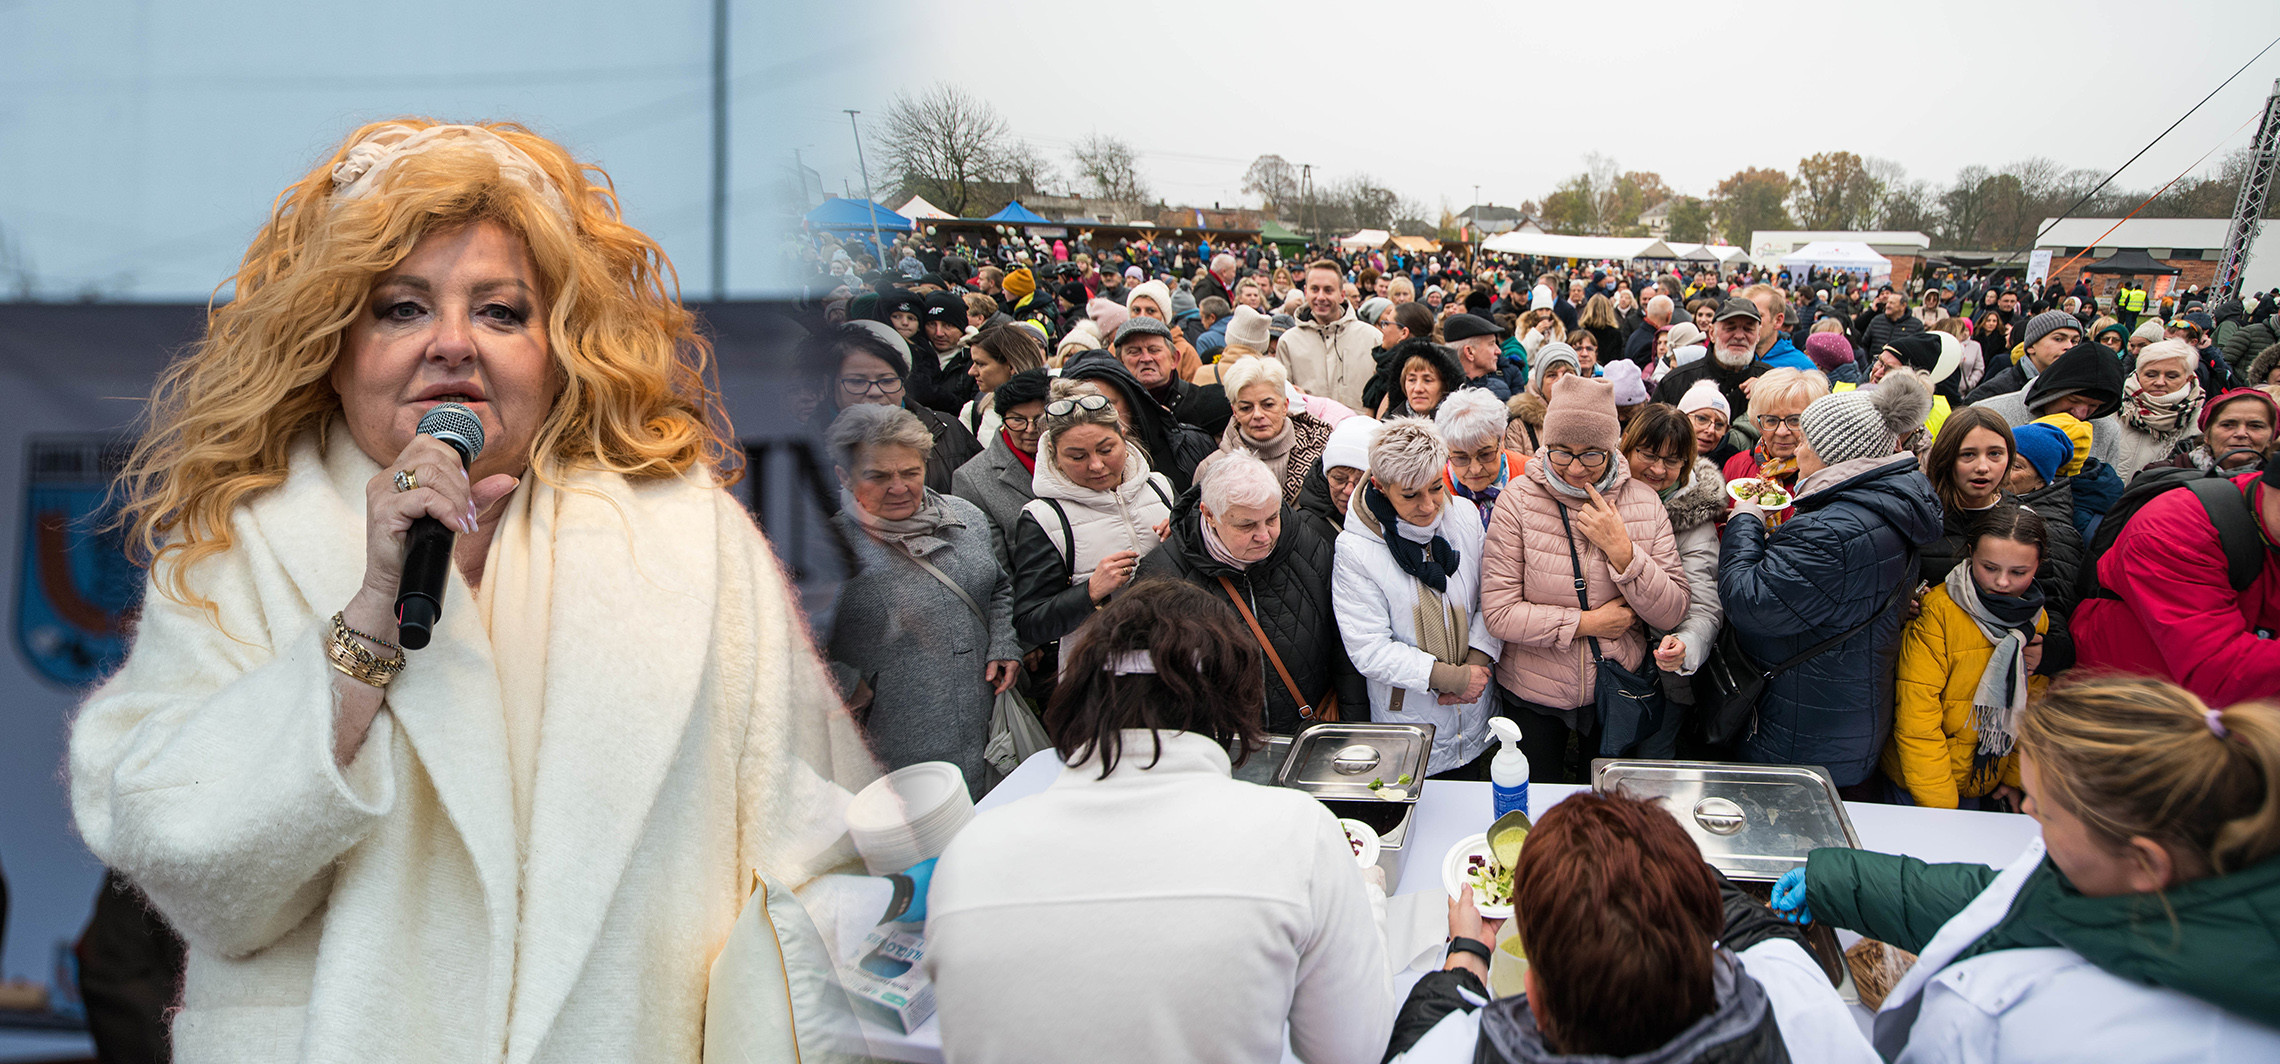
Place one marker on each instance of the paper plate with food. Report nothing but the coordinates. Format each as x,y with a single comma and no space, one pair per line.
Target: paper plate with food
1363,840
1766,493
1472,862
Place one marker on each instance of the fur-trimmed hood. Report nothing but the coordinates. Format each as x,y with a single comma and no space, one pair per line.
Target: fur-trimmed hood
1702,499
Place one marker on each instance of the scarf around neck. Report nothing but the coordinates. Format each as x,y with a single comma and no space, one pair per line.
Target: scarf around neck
916,535
1217,547
1782,470
1274,451
1485,498
2160,415
1554,481
1430,561
1028,461
2007,621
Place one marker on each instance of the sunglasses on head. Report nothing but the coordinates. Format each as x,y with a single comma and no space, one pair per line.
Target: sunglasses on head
1065,407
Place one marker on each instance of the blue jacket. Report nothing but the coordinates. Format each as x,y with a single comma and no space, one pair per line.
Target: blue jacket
1784,353
1213,340
1823,571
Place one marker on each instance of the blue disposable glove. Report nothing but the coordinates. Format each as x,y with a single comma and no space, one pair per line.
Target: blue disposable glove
920,877
1789,897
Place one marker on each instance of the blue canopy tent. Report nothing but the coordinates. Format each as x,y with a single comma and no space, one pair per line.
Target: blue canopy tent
1016,214
850,218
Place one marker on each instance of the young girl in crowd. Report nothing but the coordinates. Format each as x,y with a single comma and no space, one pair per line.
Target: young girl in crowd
1967,666
2137,928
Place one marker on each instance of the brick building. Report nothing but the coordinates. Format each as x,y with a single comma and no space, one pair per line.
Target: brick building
2193,245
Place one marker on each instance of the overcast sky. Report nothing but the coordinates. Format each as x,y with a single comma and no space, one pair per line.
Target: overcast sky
141,142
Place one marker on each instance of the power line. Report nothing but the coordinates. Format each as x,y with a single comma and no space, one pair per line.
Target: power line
2156,140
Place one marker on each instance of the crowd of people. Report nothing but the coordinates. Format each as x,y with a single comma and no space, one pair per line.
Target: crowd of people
1445,489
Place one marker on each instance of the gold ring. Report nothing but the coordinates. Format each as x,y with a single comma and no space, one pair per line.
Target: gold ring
406,480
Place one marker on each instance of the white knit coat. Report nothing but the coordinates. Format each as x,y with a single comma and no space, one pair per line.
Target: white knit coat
388,911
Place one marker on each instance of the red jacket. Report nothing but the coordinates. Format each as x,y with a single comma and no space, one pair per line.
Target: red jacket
2176,615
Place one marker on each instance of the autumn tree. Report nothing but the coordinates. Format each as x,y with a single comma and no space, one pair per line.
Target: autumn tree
1750,201
943,143
1690,220
1833,191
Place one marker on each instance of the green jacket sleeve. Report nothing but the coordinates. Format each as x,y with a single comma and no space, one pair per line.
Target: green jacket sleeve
1897,900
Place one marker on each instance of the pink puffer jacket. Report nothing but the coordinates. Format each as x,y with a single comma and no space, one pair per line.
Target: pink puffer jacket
1527,586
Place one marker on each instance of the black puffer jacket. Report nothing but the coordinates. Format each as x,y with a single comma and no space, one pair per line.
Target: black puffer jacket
1289,593
1832,566
2058,576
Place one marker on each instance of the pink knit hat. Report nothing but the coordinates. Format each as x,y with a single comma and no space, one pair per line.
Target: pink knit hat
1828,350
1581,414
1107,314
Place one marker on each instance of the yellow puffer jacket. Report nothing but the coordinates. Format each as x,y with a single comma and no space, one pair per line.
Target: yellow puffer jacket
1942,654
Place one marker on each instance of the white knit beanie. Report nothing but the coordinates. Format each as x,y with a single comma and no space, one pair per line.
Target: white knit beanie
1867,422
1154,290
1249,328
1349,444
1706,396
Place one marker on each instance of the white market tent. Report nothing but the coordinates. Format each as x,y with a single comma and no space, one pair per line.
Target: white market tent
1552,245
1839,255
1726,253
1365,239
919,210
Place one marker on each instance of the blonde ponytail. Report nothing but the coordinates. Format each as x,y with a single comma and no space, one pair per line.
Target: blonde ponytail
2132,756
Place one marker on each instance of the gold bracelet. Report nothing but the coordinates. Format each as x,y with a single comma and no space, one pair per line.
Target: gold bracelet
350,659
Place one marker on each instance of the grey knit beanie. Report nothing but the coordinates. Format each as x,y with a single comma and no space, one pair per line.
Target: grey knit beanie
2041,324
1867,422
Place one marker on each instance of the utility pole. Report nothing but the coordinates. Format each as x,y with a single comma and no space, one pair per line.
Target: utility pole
720,150
870,206
2255,192
1306,186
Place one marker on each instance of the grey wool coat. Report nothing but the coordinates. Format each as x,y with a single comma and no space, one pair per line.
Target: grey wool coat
998,483
920,648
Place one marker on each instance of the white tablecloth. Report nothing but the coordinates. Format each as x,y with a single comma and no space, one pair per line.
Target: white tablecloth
1448,811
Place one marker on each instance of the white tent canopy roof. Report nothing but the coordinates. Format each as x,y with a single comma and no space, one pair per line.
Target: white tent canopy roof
1552,245
1838,255
1366,238
918,209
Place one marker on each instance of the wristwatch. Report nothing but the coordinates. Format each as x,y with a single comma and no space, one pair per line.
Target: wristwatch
1474,946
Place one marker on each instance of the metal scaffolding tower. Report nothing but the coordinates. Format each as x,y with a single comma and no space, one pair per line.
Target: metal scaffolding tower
2255,192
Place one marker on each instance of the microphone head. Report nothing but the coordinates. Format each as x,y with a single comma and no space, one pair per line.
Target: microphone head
456,425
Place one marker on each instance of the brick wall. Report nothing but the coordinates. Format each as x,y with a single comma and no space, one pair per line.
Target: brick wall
2196,271
1903,268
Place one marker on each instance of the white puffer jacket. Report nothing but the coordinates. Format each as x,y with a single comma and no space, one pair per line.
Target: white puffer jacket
1101,522
1376,605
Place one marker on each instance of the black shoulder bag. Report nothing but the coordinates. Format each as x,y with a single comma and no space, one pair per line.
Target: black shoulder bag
1629,704
1732,681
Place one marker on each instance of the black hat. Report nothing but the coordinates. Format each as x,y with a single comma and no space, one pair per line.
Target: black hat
1737,307
2087,368
1917,351
946,308
1460,327
1075,293
903,300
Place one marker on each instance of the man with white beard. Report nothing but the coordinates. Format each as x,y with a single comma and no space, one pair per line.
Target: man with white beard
1733,357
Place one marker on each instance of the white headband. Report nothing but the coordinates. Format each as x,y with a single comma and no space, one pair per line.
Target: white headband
1131,663
359,174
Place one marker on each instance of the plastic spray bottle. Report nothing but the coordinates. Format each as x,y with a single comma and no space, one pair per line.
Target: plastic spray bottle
1508,771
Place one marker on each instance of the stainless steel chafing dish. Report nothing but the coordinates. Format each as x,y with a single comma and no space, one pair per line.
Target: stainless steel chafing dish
1753,822
1336,763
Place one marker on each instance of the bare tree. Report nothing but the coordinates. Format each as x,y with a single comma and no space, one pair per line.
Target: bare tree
1028,169
1273,179
1110,170
942,143
16,273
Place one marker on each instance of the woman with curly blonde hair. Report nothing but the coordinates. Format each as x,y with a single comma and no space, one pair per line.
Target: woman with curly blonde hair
529,839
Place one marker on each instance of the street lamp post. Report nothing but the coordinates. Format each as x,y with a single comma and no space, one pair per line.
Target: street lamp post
870,206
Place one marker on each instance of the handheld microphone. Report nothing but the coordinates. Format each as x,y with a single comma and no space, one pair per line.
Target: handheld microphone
427,546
